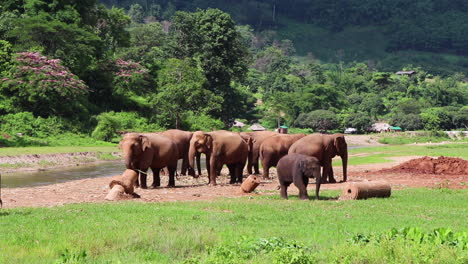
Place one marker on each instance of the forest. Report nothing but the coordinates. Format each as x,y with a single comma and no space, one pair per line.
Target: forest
95,68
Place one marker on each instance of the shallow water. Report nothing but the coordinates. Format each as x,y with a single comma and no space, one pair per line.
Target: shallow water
38,178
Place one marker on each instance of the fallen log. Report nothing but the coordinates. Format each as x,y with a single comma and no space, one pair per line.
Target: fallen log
250,184
364,190
121,184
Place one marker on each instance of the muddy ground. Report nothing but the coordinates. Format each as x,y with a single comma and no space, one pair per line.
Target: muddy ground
189,189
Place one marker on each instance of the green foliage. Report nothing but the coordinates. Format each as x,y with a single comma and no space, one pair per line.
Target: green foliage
361,121
439,236
26,124
319,120
195,122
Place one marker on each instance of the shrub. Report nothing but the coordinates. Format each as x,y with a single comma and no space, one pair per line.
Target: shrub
107,127
319,120
28,125
194,122
407,121
361,121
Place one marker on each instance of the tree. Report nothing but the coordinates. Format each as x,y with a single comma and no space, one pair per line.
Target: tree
361,121
181,89
136,12
210,36
43,86
318,120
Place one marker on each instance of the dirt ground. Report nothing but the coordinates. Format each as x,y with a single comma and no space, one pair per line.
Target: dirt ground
189,189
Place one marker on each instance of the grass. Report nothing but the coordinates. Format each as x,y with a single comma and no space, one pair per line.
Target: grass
132,232
383,153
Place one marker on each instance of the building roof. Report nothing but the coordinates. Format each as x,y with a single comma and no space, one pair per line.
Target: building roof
395,128
405,72
283,126
238,124
380,126
256,127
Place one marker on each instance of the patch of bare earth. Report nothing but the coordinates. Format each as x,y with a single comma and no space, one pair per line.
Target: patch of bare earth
189,189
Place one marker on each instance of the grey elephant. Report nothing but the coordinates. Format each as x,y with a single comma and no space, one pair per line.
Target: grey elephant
297,168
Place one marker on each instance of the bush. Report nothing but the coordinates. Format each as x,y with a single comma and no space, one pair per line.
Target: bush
111,122
28,125
194,122
361,121
407,121
319,120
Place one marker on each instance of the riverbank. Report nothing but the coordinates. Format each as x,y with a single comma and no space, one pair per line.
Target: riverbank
38,162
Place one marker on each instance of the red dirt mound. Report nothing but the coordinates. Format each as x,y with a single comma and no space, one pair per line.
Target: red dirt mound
428,165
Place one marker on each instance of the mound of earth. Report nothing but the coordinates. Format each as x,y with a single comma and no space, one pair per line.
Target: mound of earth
428,165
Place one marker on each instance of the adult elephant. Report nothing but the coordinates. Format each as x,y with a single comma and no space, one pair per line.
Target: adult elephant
274,148
143,151
182,140
220,147
324,148
254,153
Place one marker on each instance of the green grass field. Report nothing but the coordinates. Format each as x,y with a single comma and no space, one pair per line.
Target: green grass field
383,153
226,230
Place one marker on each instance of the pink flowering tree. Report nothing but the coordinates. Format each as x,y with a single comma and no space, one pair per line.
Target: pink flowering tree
41,85
131,78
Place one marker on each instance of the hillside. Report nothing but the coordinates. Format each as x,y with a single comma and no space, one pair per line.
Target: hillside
388,35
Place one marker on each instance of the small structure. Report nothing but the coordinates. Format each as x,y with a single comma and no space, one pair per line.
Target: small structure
238,124
395,129
256,127
350,130
380,127
283,129
407,73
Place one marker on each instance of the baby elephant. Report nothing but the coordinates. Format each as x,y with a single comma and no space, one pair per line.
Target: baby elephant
298,168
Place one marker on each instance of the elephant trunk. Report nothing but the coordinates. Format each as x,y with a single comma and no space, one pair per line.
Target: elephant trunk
344,160
129,164
191,158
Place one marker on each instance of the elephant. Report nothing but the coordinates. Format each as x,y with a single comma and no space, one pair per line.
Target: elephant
143,151
274,148
324,148
182,140
298,168
254,153
220,147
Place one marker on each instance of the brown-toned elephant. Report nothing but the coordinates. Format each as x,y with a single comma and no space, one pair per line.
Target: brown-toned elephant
257,139
274,148
143,151
220,147
182,140
324,148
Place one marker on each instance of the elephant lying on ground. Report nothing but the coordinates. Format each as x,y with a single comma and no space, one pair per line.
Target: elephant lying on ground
297,169
220,147
324,148
274,148
143,151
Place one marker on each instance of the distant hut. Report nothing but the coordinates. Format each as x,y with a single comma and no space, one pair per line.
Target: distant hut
256,127
407,73
283,129
238,124
380,127
395,129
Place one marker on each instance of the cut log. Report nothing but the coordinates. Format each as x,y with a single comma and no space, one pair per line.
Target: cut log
364,190
250,184
115,193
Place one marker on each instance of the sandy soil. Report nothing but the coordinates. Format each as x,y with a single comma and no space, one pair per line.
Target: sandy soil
189,189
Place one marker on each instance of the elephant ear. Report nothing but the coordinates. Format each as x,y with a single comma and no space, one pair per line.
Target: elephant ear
340,145
145,143
208,141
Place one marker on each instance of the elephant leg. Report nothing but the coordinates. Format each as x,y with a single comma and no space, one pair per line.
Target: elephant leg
212,170
325,172
184,168
266,169
284,189
250,163
143,179
172,172
331,178
232,173
197,156
240,171
156,178
255,163
301,183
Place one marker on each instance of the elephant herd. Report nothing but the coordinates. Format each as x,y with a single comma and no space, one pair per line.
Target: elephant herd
142,151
